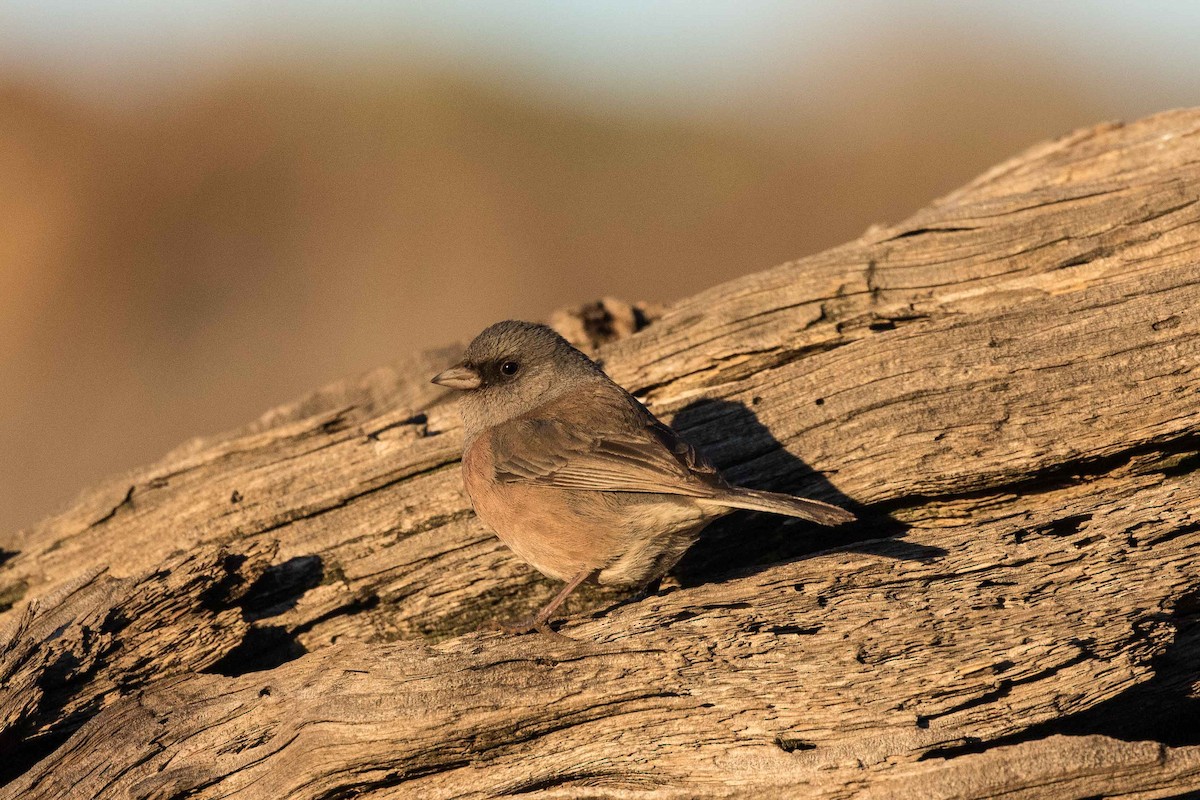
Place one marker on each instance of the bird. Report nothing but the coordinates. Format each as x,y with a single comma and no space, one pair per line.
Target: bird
576,476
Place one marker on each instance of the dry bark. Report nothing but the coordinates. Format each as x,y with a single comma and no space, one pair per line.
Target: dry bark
1004,386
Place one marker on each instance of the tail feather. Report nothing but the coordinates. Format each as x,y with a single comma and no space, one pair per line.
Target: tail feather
775,503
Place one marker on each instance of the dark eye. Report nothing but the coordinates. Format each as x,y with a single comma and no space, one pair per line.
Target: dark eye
509,368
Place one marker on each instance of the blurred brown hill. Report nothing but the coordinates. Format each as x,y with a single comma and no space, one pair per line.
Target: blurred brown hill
172,266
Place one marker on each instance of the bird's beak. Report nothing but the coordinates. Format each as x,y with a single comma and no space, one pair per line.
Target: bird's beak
460,377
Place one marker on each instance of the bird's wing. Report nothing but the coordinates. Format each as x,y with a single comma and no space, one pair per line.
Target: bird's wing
600,439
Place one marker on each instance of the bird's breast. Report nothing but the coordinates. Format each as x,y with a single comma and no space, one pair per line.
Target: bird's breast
561,532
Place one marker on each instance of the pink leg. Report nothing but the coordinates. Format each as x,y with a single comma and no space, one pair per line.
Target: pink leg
538,622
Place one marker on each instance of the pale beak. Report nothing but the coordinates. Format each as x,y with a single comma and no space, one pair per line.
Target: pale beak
460,377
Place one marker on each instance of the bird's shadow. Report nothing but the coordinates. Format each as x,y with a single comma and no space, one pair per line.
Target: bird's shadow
744,450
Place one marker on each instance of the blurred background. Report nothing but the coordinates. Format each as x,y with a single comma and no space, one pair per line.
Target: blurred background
210,208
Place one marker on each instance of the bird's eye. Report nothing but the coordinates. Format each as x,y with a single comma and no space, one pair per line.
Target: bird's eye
509,368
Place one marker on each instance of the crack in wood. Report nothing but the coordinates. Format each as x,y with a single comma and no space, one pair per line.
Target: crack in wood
1018,405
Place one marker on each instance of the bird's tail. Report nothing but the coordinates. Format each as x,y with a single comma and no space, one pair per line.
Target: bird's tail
775,503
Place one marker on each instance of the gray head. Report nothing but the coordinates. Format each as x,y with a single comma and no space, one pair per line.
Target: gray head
511,368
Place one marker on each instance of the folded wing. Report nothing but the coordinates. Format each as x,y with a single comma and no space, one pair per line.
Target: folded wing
602,440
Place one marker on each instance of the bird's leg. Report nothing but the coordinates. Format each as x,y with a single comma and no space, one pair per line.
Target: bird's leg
650,587
538,622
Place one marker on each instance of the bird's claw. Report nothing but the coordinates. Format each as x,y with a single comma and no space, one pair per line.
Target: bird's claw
527,625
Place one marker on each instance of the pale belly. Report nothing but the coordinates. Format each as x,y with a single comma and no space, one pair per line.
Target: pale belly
629,538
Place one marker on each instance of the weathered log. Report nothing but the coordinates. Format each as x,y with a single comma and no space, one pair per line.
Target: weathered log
1004,387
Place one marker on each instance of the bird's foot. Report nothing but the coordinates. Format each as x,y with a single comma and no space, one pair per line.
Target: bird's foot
527,625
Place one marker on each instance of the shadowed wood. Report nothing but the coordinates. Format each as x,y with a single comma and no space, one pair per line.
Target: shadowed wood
1005,387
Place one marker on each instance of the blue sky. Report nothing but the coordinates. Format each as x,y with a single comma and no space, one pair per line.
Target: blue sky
682,52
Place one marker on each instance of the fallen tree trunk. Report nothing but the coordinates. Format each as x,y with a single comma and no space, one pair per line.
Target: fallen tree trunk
1004,387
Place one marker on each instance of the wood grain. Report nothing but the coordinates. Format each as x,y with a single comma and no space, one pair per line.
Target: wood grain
1004,387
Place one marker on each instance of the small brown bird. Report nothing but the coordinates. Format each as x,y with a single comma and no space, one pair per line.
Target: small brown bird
576,476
